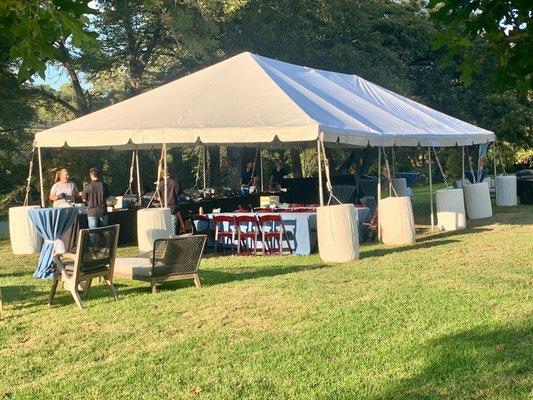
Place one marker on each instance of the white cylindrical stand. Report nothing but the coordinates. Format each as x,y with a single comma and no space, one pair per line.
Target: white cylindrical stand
152,224
451,214
400,186
397,224
338,233
506,190
22,234
477,201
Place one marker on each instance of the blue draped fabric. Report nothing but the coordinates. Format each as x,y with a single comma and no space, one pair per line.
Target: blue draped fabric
50,223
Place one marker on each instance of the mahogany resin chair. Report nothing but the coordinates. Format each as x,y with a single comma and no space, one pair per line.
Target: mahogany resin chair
273,232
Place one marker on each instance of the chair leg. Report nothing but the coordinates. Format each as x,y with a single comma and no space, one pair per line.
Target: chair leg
112,288
87,287
197,282
77,297
154,288
53,291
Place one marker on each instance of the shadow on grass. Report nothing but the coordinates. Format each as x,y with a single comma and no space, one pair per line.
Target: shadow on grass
482,362
383,251
211,277
446,234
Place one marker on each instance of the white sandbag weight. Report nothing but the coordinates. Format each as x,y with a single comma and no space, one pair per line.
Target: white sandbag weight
506,190
477,200
451,214
397,224
338,233
24,238
153,224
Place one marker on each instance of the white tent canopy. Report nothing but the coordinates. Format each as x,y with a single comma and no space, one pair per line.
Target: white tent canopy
250,99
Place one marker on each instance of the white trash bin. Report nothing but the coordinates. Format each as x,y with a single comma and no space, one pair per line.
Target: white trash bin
338,233
506,190
477,201
23,235
451,215
396,221
153,224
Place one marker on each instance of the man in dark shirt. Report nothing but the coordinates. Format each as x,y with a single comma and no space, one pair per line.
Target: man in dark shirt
172,193
95,194
277,175
247,175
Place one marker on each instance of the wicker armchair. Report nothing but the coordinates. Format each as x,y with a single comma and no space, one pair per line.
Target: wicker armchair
95,257
172,259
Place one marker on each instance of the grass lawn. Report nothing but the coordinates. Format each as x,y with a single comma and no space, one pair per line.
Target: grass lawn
448,317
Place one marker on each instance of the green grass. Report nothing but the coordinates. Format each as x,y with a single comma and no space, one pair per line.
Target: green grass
449,317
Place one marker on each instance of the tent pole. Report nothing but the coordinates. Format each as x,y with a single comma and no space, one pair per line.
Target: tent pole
463,168
138,175
379,192
166,172
494,160
205,168
320,188
41,183
261,168
430,189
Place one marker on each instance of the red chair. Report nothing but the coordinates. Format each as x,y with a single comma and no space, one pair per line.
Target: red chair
272,231
247,229
222,234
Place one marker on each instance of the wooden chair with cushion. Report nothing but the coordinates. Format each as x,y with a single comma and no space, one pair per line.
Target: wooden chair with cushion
172,259
94,258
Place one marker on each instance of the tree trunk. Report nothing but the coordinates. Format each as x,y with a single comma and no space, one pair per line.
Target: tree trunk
81,101
234,157
296,163
214,165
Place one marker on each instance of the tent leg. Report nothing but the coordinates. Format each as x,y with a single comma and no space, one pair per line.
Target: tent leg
261,169
320,188
463,168
41,183
379,193
205,168
431,190
494,161
164,150
138,175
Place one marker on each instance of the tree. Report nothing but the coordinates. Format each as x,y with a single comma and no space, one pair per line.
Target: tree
504,26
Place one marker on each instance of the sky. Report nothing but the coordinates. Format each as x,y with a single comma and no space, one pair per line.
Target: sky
55,76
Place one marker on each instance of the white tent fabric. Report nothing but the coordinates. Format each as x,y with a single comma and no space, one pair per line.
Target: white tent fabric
250,99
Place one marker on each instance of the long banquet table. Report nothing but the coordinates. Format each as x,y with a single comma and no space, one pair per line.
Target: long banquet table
301,227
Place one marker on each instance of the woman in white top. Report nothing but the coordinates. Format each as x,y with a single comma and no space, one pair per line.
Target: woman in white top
63,190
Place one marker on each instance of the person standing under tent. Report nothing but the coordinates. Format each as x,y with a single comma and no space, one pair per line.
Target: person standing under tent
94,194
277,175
63,191
247,176
173,191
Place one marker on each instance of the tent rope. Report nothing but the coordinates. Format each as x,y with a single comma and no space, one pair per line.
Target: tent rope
129,190
440,167
27,196
391,186
497,150
329,186
156,183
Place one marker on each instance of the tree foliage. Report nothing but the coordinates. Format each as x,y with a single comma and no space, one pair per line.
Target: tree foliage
503,26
